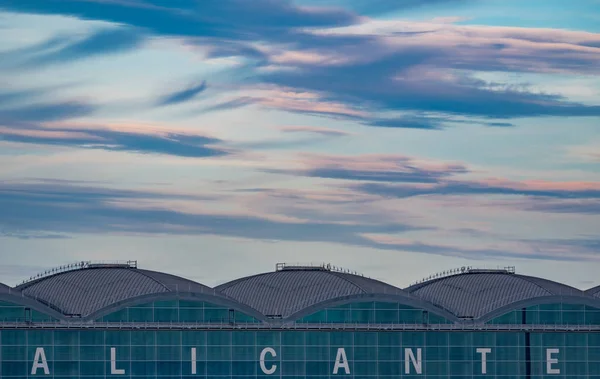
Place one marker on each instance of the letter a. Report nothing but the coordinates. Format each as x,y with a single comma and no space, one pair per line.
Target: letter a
341,361
113,363
40,362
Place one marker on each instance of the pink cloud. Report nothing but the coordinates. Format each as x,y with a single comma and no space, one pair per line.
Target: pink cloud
376,162
526,49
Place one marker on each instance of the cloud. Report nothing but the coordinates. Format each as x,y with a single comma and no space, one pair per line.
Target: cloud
410,122
230,104
314,130
558,250
378,7
183,95
589,152
374,168
175,144
228,19
359,68
401,84
46,124
475,188
429,68
66,48
66,209
23,114
70,209
398,176
567,206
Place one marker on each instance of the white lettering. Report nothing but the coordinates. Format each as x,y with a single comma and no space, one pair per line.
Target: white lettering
263,354
113,363
550,361
40,362
341,361
409,357
484,352
194,370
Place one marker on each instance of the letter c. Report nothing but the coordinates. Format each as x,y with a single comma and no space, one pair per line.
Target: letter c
263,353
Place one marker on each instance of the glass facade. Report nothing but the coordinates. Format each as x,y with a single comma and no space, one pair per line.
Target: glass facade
178,311
239,346
10,312
551,314
297,354
374,312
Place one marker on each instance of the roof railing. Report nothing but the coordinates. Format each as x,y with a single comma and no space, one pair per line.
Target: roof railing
80,266
466,270
315,267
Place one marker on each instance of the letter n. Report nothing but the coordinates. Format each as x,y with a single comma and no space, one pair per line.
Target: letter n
409,357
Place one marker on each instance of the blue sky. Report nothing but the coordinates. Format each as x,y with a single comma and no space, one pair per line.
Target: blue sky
214,139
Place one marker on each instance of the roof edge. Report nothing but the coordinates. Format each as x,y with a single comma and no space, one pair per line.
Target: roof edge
551,299
216,298
396,298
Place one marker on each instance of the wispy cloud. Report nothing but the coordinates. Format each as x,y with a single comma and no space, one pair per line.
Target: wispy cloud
231,19
474,188
403,177
66,209
183,95
44,112
54,208
175,144
230,104
374,168
550,205
357,67
68,48
314,130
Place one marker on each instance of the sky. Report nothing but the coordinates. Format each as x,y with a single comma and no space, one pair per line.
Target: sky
213,139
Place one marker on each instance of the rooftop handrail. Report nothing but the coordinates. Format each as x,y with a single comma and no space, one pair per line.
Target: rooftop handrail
282,266
297,326
79,266
466,270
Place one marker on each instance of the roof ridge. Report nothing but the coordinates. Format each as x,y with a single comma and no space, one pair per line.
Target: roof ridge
339,275
529,279
593,290
142,272
231,283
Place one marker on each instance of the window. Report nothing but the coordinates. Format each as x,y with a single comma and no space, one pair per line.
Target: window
184,311
373,313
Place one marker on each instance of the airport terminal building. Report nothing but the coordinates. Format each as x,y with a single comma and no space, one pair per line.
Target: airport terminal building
103,320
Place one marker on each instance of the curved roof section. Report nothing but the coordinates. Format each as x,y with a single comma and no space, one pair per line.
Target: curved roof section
84,291
291,289
594,291
4,288
476,293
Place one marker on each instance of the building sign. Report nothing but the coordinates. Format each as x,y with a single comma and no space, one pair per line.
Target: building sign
412,360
